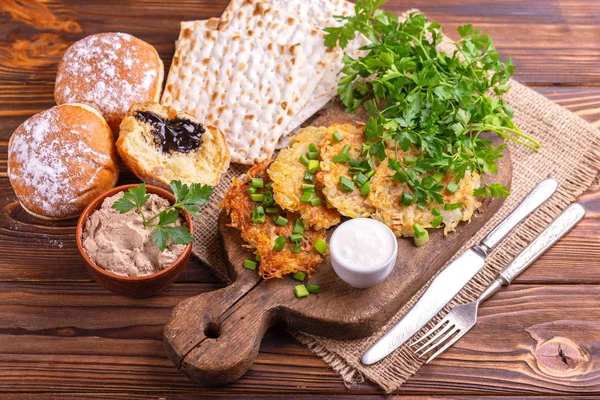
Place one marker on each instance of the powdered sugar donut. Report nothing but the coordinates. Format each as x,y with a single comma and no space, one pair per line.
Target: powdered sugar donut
110,72
61,159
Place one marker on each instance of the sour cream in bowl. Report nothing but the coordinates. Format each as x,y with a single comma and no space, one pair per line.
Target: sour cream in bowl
363,252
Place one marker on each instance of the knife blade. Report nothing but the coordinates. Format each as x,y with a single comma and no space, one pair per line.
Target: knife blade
454,277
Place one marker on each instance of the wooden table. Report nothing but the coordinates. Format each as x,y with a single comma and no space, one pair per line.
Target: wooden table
64,336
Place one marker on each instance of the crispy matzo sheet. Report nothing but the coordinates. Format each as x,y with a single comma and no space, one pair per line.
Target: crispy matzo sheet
247,87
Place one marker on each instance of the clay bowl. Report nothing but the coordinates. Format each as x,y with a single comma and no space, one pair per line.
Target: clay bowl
138,287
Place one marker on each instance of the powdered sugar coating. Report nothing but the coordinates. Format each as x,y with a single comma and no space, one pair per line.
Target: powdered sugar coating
110,72
60,159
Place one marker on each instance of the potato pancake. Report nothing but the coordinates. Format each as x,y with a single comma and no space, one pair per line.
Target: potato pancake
350,204
261,236
287,174
385,198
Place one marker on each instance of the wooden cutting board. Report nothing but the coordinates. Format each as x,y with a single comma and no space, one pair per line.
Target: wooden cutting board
214,338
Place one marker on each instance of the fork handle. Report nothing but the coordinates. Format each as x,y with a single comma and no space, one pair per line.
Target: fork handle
556,230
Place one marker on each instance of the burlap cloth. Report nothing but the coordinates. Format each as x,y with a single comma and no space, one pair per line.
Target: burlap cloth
570,153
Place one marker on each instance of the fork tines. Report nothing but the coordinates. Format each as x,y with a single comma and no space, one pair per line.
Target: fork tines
447,332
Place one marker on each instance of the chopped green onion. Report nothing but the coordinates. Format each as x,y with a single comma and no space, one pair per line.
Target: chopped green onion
438,176
436,212
452,206
360,179
304,160
308,177
257,197
258,214
315,201
437,221
421,205
346,184
410,160
299,276
313,147
306,197
370,174
295,237
313,166
269,185
452,187
406,199
313,288
307,187
281,221
337,137
321,246
257,258
300,291
269,201
249,264
346,149
422,240
299,226
258,182
279,243
297,248
353,162
313,155
365,189
271,210
419,231
252,190
341,158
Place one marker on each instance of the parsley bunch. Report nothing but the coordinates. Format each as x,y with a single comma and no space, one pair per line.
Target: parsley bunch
189,198
421,98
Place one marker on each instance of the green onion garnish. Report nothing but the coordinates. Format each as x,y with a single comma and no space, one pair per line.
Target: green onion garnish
346,184
295,237
268,185
360,179
257,197
422,240
306,197
313,155
365,189
297,248
307,187
452,206
436,212
268,199
257,258
438,176
304,160
419,231
279,243
300,291
299,226
410,160
406,199
315,201
341,158
313,288
353,162
249,264
452,187
258,214
313,166
308,177
299,276
437,221
280,221
313,147
258,182
271,210
370,174
346,149
252,190
321,246
337,137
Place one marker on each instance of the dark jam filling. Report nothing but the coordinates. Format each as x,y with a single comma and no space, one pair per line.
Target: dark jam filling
181,135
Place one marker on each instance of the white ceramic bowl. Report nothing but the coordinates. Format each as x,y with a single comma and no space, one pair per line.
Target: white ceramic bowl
362,276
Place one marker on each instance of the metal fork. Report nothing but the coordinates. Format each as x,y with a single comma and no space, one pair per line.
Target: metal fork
463,317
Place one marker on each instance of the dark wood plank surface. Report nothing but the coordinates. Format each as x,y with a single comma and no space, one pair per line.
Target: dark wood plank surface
63,336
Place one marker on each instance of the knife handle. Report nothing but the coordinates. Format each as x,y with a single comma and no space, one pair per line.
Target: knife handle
556,230
538,195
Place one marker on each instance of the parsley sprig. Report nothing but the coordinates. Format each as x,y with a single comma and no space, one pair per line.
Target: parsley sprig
419,97
189,198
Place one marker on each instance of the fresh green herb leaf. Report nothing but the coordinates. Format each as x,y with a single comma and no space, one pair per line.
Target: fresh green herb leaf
160,238
179,234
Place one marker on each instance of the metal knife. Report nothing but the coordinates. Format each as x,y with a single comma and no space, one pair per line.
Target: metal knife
454,277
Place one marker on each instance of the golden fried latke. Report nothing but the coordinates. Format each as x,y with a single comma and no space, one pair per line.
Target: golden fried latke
385,198
287,174
350,204
261,236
